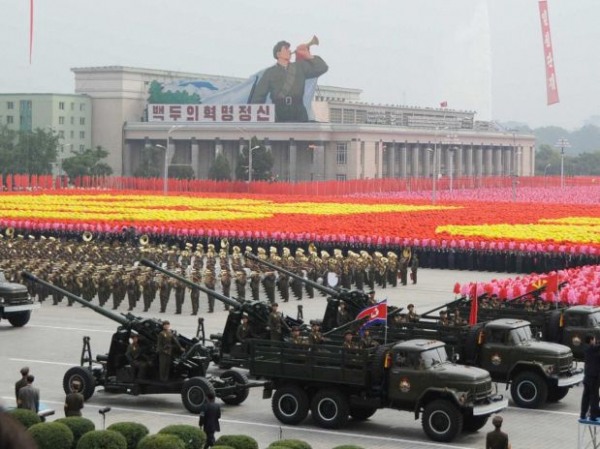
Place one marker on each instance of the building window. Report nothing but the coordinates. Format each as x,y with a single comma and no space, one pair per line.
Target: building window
82,107
72,120
61,105
72,106
81,147
341,154
9,119
82,134
61,134
72,133
82,120
340,177
10,105
61,120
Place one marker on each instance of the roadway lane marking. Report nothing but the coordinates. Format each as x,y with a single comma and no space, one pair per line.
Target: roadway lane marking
70,328
41,361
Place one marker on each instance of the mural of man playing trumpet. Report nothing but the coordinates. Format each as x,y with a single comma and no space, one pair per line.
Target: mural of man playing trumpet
285,81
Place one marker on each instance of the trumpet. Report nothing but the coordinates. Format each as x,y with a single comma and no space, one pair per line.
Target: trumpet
144,240
87,236
9,232
313,41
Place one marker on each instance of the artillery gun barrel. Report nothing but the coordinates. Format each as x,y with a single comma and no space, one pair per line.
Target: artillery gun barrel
323,288
107,313
226,299
343,327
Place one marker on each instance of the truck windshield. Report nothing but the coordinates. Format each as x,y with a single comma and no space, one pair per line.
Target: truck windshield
594,319
433,357
520,335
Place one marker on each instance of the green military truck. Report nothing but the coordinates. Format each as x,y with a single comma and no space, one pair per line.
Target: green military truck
15,302
537,371
559,323
335,383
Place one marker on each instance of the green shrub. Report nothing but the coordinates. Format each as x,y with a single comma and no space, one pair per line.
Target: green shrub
221,447
237,441
52,435
290,444
78,425
274,446
161,441
132,431
348,446
192,436
102,439
26,417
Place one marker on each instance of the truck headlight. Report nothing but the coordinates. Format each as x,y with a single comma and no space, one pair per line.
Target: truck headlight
549,369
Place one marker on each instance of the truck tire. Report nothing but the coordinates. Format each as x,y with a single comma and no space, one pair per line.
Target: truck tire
290,404
329,408
474,423
241,395
362,413
194,393
529,390
19,319
557,393
84,376
442,421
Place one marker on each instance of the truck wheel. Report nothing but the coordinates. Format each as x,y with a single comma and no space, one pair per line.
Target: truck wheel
19,319
239,379
362,413
441,420
194,393
474,423
555,394
82,375
329,408
529,390
290,404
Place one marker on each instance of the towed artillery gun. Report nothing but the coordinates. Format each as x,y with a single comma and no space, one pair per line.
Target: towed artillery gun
355,300
228,350
188,373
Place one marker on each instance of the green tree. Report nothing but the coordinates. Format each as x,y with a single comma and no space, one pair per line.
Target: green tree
220,169
262,163
87,163
150,162
28,152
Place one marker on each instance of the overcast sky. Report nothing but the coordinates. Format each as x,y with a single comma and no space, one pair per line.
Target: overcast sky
482,55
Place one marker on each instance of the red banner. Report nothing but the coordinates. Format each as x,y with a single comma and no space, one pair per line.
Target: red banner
551,84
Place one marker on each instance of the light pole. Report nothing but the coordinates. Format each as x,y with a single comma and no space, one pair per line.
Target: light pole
548,165
60,160
250,150
562,144
433,174
451,167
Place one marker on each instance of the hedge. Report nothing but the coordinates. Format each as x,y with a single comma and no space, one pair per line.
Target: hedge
78,425
192,436
290,444
102,439
237,441
52,435
25,416
132,431
348,446
161,441
221,447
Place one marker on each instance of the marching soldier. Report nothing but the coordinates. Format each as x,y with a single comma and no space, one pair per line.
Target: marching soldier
149,288
240,284
179,294
255,285
164,288
132,289
196,278
225,283
210,283
392,271
414,266
119,289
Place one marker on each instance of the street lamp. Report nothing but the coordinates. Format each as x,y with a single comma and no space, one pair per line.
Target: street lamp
451,167
434,175
562,144
165,189
548,165
251,149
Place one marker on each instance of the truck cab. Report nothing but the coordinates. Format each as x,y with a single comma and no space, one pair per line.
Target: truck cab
15,302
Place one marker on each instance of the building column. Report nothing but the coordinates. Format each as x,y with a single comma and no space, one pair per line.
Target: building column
415,160
128,159
218,147
458,162
479,161
391,159
318,166
403,161
488,162
195,156
427,162
469,161
293,161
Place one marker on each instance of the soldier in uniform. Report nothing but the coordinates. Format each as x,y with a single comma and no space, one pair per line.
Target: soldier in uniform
444,318
496,439
119,288
164,288
412,316
240,284
165,345
275,323
392,271
255,285
349,340
404,262
132,289
135,356
315,337
196,278
210,283
180,288
414,266
296,337
149,289
367,341
243,331
74,400
343,316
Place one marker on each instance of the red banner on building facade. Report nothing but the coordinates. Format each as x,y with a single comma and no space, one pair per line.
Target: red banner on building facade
551,84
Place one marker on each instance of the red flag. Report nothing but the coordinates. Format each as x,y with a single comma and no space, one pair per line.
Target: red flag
551,84
552,283
444,104
474,305
536,285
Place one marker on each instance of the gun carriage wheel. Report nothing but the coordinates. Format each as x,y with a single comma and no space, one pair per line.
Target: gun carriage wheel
82,375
